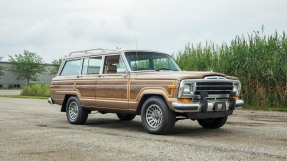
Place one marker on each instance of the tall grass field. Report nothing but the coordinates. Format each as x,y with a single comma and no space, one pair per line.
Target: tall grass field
40,90
257,59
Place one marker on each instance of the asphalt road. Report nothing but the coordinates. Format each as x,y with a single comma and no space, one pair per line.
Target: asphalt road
33,130
10,92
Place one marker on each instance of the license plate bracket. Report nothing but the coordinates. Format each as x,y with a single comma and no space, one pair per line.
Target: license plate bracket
219,106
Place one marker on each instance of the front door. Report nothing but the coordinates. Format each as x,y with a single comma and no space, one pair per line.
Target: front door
112,85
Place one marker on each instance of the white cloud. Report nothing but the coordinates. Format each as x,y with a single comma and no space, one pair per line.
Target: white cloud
54,28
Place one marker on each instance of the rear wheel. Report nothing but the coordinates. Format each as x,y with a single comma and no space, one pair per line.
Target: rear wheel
212,123
74,112
126,117
156,117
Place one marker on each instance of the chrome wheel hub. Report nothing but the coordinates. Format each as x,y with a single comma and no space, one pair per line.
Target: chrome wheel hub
73,110
154,116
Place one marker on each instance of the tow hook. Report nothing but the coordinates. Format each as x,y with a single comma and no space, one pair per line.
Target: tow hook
203,102
232,101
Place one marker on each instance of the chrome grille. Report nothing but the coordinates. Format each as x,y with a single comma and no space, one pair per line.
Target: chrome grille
214,87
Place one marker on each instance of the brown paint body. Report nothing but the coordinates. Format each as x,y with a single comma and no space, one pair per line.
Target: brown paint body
121,92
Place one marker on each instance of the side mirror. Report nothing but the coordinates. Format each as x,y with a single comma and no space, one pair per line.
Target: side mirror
121,70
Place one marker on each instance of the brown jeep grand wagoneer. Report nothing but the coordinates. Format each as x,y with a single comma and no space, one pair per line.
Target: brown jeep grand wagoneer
145,83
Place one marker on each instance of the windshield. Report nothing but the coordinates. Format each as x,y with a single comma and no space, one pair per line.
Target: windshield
150,61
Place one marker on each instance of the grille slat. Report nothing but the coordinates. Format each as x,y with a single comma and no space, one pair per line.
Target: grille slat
214,83
214,88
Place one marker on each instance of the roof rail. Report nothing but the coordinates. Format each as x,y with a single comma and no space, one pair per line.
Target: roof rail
91,51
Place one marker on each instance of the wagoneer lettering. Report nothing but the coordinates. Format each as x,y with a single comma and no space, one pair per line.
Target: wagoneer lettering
144,83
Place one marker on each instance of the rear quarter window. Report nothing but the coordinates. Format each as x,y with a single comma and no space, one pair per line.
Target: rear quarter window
71,67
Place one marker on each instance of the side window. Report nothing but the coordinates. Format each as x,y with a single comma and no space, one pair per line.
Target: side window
114,64
71,67
92,65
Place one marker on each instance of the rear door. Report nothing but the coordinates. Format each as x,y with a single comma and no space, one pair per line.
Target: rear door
86,82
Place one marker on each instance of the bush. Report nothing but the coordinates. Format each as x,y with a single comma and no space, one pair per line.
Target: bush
41,90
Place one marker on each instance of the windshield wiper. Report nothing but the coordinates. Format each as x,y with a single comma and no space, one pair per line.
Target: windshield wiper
164,69
142,69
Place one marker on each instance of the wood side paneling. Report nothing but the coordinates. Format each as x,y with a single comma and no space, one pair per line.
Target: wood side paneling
136,86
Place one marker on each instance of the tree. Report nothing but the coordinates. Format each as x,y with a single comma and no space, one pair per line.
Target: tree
26,66
56,65
1,69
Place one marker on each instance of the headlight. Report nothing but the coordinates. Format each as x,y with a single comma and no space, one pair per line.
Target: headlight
188,88
237,88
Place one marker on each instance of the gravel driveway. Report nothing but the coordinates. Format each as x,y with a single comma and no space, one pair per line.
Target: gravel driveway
33,130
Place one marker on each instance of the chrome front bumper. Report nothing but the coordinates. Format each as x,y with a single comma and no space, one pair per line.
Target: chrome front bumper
197,106
50,100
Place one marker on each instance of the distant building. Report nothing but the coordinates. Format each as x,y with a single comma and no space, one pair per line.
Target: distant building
9,79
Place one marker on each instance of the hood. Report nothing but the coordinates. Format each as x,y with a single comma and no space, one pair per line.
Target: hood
176,75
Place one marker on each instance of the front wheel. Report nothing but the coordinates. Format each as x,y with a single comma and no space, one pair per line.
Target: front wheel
212,123
156,117
126,117
74,112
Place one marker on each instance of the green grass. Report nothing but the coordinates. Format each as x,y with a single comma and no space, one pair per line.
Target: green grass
40,90
19,96
10,89
257,59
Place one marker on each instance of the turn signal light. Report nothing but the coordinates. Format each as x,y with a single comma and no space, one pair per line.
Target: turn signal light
171,87
234,97
184,100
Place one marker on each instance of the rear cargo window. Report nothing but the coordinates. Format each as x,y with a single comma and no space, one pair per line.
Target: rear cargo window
71,67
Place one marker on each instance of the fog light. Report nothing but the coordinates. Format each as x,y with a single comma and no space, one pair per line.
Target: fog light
184,100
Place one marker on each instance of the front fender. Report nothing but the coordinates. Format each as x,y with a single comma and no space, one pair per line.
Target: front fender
151,92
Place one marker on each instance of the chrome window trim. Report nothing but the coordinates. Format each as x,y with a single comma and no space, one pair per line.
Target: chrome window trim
132,71
64,64
103,64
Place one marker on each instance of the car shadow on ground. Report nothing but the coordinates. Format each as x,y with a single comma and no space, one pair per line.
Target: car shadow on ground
193,129
110,123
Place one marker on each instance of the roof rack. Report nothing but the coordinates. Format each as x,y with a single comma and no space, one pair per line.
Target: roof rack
91,51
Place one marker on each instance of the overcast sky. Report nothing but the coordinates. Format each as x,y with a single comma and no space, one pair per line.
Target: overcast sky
54,28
